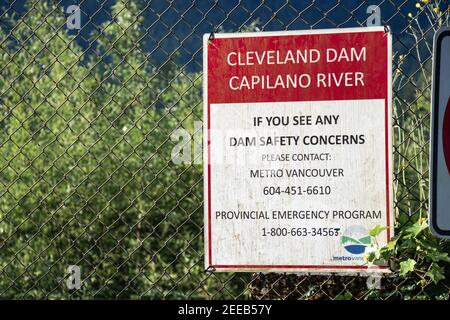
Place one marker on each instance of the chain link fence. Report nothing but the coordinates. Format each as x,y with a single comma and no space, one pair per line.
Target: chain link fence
95,96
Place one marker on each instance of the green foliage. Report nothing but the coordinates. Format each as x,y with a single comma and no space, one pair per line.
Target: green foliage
436,273
421,261
347,295
86,175
376,231
407,266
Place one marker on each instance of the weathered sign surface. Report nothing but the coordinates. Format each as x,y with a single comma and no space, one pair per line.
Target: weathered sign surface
440,139
297,149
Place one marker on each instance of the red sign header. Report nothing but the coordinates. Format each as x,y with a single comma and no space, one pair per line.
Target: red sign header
308,67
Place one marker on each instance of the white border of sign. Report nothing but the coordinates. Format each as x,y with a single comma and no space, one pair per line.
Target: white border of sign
315,269
434,228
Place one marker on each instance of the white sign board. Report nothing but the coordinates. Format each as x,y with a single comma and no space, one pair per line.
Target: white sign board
440,140
297,149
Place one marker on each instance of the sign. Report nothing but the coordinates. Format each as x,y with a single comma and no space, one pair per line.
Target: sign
297,149
440,140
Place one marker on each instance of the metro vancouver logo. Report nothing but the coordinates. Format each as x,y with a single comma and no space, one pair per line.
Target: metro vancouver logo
355,239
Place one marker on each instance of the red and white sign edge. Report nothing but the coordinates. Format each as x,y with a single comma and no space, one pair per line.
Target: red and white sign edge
439,215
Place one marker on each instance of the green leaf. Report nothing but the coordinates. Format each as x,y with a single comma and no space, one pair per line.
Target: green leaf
385,252
371,256
407,266
439,256
436,273
415,229
346,296
390,246
377,230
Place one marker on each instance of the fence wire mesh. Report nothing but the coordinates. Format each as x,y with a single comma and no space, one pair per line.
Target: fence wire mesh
88,114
